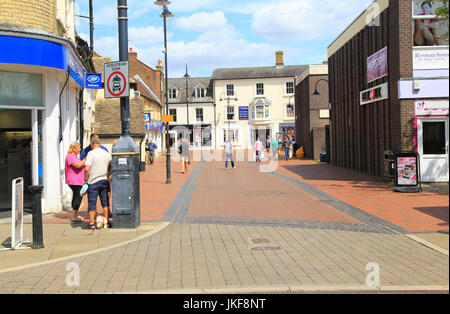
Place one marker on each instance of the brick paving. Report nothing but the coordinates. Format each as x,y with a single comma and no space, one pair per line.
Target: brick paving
243,229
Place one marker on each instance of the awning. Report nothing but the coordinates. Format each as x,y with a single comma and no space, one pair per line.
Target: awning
259,101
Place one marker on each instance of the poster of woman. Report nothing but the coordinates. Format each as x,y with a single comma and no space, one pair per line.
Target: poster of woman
428,30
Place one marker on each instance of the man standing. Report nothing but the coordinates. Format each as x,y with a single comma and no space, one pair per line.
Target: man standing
151,151
86,151
229,154
97,171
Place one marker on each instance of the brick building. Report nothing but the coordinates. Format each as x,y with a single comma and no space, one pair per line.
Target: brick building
389,89
312,111
42,95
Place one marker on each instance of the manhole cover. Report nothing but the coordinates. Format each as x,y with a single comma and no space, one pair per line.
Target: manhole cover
258,243
266,248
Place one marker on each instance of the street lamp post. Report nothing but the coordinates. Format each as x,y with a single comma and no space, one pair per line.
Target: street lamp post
187,77
316,92
165,14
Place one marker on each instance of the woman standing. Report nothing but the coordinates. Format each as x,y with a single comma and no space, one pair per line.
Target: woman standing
74,169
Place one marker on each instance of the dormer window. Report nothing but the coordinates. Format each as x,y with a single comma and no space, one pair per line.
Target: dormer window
200,92
172,93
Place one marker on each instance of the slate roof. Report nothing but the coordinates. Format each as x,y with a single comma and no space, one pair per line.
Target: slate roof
258,72
180,85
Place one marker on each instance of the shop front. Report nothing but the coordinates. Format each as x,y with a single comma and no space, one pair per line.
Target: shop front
39,114
432,127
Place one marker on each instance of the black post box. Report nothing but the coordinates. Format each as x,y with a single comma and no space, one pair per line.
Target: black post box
125,184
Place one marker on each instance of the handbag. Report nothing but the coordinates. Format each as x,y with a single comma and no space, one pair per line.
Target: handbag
279,152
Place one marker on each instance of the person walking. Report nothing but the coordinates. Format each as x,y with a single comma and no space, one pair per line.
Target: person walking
229,154
258,148
274,146
97,172
286,146
184,153
151,151
74,170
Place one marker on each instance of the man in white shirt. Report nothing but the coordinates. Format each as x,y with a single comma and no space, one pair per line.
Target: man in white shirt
229,154
97,171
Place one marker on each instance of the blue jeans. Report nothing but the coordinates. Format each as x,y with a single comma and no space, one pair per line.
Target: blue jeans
230,157
95,190
286,152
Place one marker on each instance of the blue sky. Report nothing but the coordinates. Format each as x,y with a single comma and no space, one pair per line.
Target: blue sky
209,34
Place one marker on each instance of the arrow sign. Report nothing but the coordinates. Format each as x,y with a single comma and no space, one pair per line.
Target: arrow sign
117,80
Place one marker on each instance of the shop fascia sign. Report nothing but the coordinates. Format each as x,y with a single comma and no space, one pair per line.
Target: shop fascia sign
431,108
374,94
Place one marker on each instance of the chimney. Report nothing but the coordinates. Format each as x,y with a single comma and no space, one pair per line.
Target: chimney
160,67
279,59
132,55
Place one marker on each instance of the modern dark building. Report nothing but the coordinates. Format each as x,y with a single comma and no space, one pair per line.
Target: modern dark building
389,88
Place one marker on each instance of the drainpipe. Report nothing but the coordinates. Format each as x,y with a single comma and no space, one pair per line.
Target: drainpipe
60,106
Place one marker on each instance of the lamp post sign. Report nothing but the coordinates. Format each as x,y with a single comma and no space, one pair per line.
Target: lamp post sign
117,80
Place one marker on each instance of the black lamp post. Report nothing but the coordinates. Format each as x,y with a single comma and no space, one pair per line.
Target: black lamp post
228,107
316,92
165,14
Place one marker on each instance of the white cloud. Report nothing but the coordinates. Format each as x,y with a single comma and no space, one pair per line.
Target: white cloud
305,20
145,35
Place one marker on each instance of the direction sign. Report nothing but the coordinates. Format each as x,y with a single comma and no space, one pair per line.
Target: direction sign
117,82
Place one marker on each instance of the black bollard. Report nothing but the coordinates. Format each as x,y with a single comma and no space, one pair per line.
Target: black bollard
38,239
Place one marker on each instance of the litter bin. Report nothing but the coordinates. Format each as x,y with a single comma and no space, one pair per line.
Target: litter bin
389,165
407,172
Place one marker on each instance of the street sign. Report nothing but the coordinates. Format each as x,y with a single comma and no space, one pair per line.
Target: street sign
243,113
93,80
168,118
117,80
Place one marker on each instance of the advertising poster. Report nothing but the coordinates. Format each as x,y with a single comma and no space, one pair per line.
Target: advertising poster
407,170
428,30
377,65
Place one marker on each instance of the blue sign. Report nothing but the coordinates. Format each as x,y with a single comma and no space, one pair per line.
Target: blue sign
93,80
243,113
152,125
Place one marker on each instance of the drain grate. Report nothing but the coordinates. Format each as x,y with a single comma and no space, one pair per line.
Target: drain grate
262,244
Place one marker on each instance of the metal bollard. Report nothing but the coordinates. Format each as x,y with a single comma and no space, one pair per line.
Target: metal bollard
38,239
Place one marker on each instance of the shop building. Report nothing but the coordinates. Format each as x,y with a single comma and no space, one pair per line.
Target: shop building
389,88
256,102
41,97
312,108
193,112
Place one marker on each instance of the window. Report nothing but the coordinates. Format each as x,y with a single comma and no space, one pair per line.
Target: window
200,92
173,112
289,88
172,93
199,114
230,113
230,90
261,112
259,89
434,138
290,111
232,134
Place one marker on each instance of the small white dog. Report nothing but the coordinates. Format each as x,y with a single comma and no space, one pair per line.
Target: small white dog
102,222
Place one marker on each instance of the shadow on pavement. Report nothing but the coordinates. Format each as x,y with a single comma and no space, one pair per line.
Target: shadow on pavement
439,212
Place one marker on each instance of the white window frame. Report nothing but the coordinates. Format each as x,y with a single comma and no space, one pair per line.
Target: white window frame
171,89
200,92
286,88
226,130
196,114
226,90
174,115
256,90
233,111
265,117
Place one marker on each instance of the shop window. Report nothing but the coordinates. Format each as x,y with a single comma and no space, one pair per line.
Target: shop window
232,134
20,90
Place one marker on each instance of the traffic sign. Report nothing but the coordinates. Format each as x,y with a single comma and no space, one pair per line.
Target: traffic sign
117,82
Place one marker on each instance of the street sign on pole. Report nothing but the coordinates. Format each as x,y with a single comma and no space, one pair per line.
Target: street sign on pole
117,83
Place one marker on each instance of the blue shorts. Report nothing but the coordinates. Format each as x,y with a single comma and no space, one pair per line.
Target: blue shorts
99,188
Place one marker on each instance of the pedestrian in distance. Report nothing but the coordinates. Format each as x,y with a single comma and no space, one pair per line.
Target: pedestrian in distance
268,145
150,148
229,154
183,150
286,146
274,146
258,148
74,170
97,173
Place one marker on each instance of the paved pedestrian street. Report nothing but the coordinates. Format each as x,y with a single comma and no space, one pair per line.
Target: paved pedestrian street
242,230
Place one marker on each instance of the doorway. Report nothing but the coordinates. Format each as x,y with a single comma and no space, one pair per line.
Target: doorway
433,148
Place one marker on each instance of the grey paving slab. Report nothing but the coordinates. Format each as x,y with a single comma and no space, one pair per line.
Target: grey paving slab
210,256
